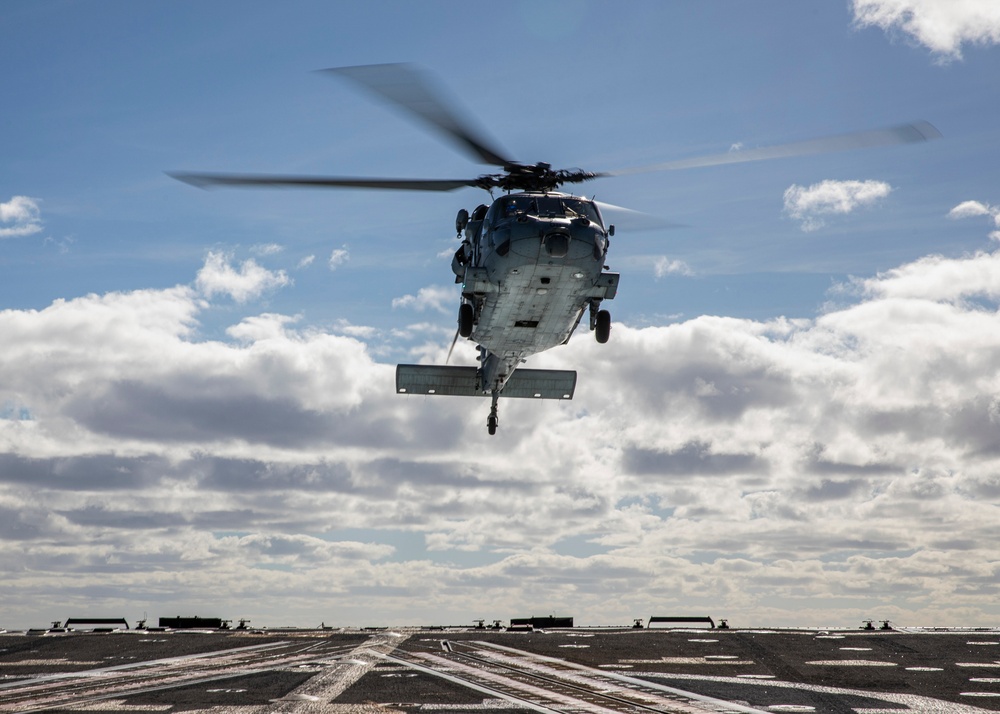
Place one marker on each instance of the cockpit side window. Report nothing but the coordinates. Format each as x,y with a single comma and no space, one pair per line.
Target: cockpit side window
584,209
503,208
492,214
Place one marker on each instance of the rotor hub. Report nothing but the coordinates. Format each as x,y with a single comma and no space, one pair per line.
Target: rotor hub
533,177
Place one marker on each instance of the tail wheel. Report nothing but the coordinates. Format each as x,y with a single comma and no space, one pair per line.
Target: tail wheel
602,331
466,316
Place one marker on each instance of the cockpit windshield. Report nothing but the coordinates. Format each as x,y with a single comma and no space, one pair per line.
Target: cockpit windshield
550,207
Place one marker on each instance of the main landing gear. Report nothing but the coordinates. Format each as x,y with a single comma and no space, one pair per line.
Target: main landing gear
600,322
602,330
493,420
466,318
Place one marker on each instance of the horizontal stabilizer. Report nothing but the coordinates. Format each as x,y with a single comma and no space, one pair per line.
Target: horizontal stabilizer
461,381
541,384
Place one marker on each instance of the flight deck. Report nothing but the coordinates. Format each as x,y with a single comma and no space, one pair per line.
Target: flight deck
455,670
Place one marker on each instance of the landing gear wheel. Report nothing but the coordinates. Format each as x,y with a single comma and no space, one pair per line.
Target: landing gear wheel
466,316
602,331
491,425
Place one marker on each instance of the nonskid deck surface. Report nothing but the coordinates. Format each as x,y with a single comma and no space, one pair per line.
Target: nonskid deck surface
578,670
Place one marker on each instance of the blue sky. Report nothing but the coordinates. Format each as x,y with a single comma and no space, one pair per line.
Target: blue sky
812,345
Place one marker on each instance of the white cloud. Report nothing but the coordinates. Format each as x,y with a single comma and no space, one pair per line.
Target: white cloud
442,298
810,204
250,281
970,209
299,549
792,471
973,208
23,216
265,249
338,257
941,26
664,266
306,262
259,328
362,332
940,279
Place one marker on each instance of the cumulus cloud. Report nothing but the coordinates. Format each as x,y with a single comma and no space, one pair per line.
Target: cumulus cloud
811,204
440,298
940,279
248,282
265,249
664,266
974,208
942,26
338,257
20,216
970,209
849,460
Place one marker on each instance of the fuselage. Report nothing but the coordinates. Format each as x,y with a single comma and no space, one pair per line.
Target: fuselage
531,265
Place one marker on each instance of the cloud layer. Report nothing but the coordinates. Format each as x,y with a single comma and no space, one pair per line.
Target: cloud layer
942,26
779,472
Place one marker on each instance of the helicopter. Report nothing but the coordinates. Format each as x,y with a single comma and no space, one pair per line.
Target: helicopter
533,262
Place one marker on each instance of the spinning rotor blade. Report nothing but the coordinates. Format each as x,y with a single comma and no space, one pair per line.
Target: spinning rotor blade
901,134
203,180
634,220
404,86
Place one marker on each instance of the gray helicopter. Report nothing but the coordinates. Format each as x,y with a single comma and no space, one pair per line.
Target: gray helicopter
533,262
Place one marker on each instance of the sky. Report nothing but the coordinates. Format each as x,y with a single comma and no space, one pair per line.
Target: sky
796,421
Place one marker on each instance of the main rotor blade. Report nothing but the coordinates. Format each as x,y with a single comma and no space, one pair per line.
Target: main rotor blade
209,180
901,134
406,87
633,220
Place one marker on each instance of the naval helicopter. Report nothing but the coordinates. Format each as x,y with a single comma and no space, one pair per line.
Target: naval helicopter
533,262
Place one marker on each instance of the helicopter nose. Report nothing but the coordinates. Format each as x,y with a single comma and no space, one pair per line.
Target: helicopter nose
557,244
